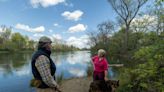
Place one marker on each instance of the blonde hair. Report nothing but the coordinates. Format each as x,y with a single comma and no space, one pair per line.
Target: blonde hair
101,52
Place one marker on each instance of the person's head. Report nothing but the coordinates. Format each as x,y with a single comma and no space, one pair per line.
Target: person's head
101,53
44,43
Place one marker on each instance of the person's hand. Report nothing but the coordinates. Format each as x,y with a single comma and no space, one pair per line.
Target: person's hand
105,78
57,88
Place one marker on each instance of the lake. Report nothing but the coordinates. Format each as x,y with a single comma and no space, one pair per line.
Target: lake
15,69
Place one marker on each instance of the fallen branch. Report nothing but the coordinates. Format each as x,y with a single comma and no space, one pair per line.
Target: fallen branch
117,65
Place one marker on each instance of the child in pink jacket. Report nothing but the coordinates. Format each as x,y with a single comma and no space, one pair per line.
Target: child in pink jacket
100,65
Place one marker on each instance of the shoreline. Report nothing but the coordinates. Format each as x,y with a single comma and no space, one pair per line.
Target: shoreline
77,84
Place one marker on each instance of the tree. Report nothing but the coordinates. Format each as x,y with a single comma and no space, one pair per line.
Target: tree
144,23
93,41
19,41
158,12
5,34
106,29
127,11
101,37
158,2
31,44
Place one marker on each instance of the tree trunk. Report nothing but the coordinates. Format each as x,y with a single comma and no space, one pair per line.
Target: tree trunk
126,38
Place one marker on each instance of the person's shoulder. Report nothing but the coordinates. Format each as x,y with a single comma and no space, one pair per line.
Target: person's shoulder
96,56
42,57
105,60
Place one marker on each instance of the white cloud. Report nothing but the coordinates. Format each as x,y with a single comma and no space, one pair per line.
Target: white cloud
56,24
38,35
27,28
68,4
144,18
77,28
50,30
144,23
81,42
45,3
0,29
57,36
75,15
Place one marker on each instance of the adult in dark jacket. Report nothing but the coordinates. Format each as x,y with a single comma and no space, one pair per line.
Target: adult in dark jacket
43,67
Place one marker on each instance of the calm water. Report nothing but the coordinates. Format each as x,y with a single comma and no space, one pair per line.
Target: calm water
15,69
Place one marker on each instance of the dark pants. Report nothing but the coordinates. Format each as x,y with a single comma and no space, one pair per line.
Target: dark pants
98,75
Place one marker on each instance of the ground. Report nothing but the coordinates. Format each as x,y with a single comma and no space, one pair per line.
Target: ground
76,85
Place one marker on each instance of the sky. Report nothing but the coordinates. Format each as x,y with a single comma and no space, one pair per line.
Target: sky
67,20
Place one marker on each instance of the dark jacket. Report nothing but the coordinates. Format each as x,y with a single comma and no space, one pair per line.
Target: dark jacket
35,72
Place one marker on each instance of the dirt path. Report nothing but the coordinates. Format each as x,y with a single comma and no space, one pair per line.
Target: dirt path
76,85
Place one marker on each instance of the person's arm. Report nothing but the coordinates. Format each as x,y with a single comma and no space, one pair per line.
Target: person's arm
93,58
106,75
105,70
43,66
92,61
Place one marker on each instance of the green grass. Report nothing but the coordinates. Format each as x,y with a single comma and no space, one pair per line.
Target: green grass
60,78
90,70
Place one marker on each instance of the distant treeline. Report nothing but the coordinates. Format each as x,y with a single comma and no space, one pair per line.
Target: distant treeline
17,42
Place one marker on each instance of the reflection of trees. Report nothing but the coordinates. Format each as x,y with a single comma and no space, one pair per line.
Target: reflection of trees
18,60
6,63
7,69
10,62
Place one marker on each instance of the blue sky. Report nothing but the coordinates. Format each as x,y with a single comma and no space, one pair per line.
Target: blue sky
68,20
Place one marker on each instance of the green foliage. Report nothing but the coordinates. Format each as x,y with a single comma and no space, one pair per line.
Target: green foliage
60,78
143,60
63,47
90,70
159,2
14,41
17,42
148,74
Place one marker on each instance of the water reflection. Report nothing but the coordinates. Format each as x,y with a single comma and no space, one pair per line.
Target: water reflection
11,63
72,64
77,72
15,68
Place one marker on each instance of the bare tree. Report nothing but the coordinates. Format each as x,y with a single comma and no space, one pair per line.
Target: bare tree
102,35
92,39
127,11
106,29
